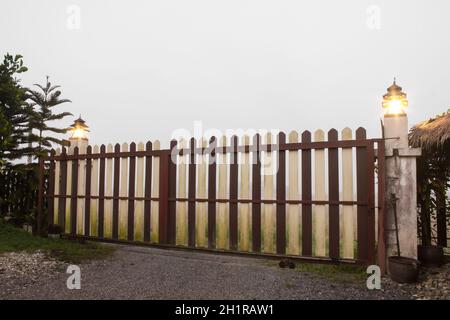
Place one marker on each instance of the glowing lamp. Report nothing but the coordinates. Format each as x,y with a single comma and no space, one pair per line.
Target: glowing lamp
394,101
79,130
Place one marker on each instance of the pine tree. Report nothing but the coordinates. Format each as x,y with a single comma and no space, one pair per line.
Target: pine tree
43,102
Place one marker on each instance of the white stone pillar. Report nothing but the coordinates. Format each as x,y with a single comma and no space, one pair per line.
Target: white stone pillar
82,144
400,181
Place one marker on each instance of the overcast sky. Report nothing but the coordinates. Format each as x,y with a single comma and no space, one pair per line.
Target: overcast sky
138,70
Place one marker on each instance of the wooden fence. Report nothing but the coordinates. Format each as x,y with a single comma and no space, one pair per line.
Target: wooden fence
19,193
298,196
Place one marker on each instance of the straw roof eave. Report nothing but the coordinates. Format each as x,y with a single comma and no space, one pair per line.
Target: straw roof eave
432,134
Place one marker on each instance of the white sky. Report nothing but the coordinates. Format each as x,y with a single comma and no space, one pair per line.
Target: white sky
138,70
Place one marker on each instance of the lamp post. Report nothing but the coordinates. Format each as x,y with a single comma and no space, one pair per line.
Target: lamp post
395,121
395,101
79,138
401,189
79,135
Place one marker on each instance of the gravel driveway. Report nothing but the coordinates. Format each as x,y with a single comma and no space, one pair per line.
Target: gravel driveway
148,273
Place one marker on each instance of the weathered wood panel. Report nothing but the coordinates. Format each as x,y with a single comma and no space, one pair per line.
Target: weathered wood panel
268,218
94,209
256,194
212,188
182,219
319,211
154,218
306,196
192,193
201,219
347,195
362,189
139,205
81,191
109,176
148,192
333,196
281,196
244,193
222,208
68,200
57,187
293,210
123,204
234,184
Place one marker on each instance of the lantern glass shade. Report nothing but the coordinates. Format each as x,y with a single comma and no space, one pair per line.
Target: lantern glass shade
79,130
79,133
395,101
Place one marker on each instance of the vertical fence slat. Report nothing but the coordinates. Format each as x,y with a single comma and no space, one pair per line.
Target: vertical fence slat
306,196
139,206
69,193
109,191
154,217
319,210
147,192
268,208
333,194
62,191
81,188
347,195
371,203
233,228
201,212
281,196
131,192
293,218
172,192
256,195
87,194
362,182
56,188
101,194
192,192
116,189
222,208
40,204
51,189
182,224
212,194
74,194
123,204
163,197
244,193
94,192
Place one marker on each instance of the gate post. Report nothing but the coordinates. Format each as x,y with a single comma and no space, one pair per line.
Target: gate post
400,176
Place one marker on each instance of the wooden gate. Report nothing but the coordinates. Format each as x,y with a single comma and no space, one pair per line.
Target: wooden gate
273,196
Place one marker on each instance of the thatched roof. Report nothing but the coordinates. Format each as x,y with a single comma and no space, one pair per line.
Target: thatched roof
432,134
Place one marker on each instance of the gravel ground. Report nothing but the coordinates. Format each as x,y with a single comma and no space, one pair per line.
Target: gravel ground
434,284
21,270
148,273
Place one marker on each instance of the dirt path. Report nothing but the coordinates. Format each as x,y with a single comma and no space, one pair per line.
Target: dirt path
147,273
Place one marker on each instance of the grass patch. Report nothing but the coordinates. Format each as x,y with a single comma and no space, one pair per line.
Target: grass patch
337,273
15,239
